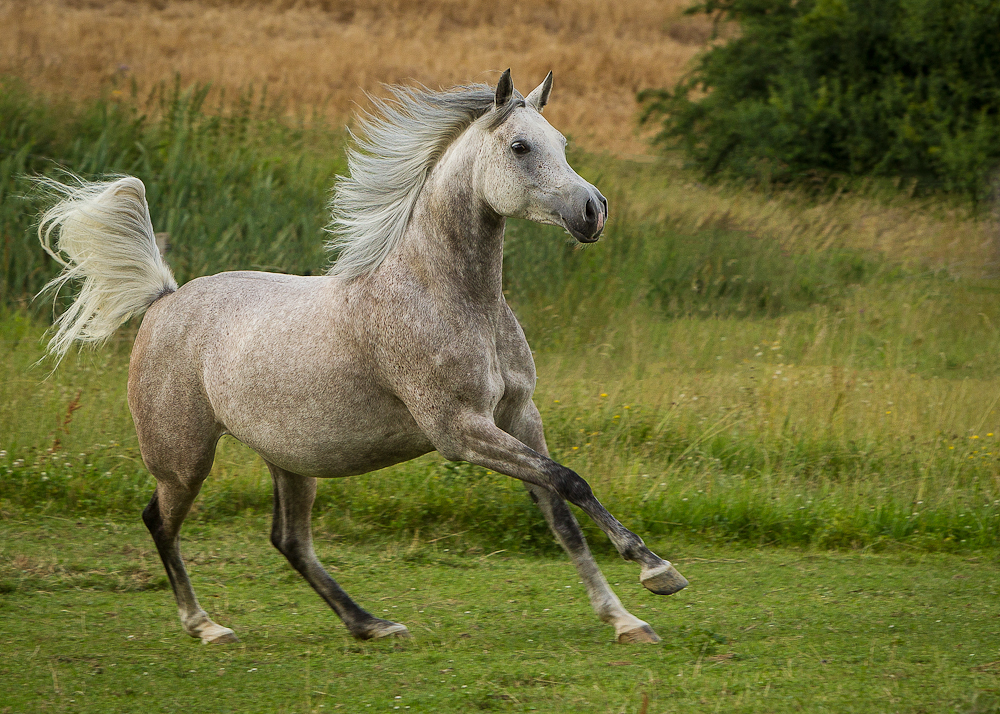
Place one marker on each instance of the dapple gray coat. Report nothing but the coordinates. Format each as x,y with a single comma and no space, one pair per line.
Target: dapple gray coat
407,346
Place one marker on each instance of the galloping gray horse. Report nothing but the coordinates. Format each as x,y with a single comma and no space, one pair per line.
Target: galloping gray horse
405,347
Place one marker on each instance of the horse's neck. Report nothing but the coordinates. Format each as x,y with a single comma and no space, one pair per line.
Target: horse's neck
455,239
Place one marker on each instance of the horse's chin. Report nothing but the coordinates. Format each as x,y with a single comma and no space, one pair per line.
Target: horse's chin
581,238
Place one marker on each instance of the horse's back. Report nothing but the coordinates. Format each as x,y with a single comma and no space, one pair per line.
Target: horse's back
280,362
212,319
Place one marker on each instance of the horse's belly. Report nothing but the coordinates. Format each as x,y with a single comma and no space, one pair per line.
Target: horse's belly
330,459
325,435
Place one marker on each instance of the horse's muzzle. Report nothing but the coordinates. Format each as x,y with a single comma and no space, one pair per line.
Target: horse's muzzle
587,223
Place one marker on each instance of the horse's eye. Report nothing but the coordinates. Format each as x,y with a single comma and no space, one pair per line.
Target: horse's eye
520,148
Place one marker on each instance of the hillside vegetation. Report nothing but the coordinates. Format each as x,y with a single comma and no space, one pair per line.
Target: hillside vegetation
729,363
731,367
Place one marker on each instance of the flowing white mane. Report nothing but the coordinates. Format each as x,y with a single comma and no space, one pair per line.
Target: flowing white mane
396,148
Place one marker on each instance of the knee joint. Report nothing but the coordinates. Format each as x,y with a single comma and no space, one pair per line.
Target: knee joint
570,486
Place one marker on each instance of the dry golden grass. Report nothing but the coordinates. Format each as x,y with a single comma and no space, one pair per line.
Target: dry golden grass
327,53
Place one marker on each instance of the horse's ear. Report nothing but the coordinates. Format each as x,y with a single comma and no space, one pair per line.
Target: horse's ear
539,96
505,90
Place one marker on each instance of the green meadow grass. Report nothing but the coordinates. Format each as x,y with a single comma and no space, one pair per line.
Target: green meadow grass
232,185
90,626
754,448
722,388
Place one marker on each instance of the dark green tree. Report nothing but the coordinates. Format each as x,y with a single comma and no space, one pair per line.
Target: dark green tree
907,88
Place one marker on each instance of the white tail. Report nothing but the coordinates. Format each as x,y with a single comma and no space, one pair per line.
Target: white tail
104,239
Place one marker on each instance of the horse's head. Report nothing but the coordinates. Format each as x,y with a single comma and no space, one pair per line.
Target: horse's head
523,171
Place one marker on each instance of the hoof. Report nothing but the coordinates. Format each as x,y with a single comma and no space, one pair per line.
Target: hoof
396,630
219,636
382,628
640,635
663,580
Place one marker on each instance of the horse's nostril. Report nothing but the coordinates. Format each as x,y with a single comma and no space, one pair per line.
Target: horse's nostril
590,211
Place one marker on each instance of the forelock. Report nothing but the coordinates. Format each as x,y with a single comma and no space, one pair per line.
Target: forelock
493,120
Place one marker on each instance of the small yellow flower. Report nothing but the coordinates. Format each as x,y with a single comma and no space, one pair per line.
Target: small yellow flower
973,437
556,401
889,412
990,434
617,416
575,448
604,394
951,447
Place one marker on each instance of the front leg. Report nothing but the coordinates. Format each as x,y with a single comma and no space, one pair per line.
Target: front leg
628,627
476,439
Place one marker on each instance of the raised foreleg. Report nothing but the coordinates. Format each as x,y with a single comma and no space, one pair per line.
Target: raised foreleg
291,533
628,627
476,439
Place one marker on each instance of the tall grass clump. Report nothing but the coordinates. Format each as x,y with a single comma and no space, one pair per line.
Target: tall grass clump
233,188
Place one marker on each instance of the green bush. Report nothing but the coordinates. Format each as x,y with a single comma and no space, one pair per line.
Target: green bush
900,88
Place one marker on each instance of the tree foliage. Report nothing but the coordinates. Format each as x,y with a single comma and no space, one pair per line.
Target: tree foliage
906,88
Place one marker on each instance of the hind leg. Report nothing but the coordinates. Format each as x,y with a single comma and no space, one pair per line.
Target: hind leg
177,437
291,533
163,517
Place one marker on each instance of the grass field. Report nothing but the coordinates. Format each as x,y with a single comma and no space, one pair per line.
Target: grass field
794,395
90,626
747,368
